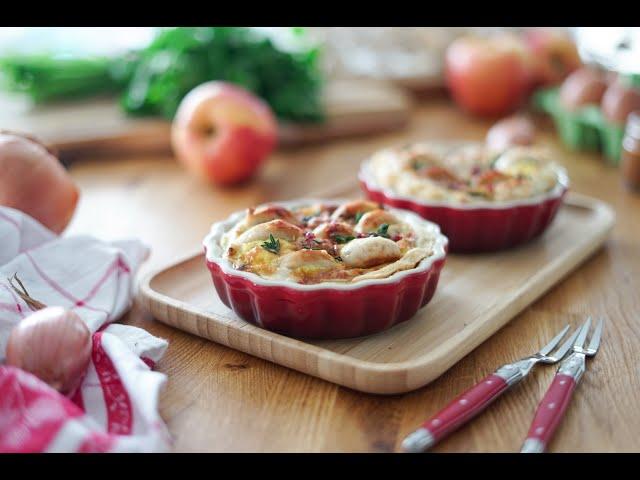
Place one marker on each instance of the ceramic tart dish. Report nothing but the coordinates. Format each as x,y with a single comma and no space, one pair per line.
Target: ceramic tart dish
483,201
325,269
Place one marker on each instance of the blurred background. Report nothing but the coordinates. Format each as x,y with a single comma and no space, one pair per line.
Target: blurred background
106,89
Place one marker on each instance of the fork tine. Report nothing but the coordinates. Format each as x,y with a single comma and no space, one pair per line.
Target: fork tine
564,348
544,351
579,343
594,343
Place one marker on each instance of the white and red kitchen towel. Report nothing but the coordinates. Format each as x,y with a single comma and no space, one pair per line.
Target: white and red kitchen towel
116,407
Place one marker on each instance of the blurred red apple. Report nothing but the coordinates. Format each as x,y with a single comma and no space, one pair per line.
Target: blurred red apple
488,75
33,181
223,133
555,54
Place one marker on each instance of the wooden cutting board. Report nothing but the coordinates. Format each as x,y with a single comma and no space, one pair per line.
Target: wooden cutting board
476,296
98,125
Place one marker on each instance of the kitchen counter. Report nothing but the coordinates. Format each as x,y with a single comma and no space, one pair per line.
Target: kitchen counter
218,399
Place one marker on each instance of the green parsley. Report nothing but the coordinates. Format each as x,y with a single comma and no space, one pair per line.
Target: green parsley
359,216
382,230
343,238
272,245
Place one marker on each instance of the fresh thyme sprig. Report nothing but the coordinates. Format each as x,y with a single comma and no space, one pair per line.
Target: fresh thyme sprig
343,238
382,230
272,245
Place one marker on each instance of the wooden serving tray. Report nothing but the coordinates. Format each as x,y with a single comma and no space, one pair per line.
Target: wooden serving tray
476,296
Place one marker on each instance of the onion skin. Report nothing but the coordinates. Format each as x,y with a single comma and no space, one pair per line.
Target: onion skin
35,182
55,345
585,86
516,130
619,101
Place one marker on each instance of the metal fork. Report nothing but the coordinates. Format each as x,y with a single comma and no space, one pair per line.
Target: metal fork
554,403
477,398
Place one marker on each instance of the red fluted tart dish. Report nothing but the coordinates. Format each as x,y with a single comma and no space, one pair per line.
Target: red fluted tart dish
325,269
482,200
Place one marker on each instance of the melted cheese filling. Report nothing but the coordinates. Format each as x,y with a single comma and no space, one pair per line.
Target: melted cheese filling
320,243
466,174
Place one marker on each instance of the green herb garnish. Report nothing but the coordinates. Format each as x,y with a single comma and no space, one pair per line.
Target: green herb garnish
343,238
382,230
477,193
272,245
359,216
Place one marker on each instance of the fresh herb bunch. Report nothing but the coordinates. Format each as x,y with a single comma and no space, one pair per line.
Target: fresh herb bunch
154,80
46,78
179,59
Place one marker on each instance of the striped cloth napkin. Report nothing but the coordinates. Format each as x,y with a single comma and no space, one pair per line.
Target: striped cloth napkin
115,409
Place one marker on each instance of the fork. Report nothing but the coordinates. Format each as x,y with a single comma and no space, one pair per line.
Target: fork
554,403
467,405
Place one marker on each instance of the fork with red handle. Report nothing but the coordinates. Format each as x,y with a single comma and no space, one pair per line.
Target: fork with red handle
475,400
554,403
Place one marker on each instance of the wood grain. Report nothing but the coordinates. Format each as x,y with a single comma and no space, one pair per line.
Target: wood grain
413,353
219,399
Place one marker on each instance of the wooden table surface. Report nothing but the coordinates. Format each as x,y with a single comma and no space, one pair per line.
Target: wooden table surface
218,399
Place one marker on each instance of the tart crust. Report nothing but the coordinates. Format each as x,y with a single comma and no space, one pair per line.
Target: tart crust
464,173
270,242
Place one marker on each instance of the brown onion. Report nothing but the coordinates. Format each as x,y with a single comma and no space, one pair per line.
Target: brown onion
619,101
583,87
35,182
54,344
516,130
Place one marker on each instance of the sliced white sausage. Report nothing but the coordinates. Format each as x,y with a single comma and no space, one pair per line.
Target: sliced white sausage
313,259
351,209
371,221
308,266
370,251
328,231
266,213
278,228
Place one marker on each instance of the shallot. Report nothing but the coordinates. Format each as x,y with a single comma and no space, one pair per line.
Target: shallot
516,130
620,99
54,344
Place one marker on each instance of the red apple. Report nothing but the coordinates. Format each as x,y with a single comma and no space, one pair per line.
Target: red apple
555,54
223,133
488,75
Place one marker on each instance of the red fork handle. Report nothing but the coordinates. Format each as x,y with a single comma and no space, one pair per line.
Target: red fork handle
462,409
549,413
